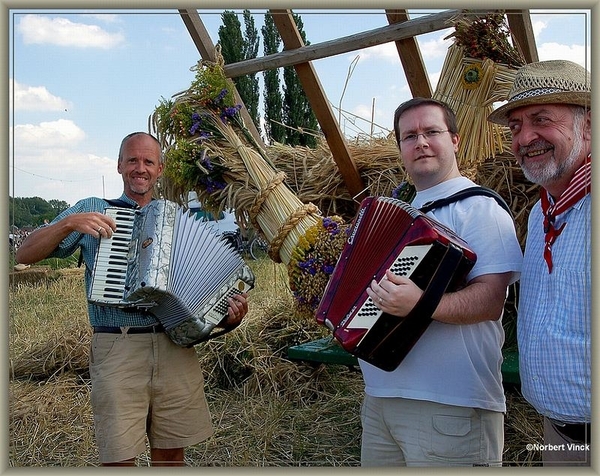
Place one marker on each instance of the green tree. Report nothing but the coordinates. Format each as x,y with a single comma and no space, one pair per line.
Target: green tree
297,113
289,118
32,211
230,37
273,102
236,48
249,83
58,206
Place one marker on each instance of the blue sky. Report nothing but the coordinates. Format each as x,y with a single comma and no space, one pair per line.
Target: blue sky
80,80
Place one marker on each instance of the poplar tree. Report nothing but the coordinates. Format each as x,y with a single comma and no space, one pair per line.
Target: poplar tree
236,47
273,102
298,115
249,83
289,118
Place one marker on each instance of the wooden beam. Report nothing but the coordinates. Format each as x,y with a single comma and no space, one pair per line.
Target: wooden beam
284,21
521,29
411,59
379,36
207,51
199,33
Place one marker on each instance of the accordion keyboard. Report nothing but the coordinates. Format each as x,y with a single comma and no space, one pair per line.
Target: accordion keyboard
403,265
108,283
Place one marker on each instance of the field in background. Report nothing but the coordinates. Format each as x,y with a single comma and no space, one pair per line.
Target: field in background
267,410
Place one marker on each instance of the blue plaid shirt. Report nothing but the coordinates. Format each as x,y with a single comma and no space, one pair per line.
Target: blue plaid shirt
553,325
99,315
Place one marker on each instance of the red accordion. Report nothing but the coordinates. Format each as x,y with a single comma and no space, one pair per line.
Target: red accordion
390,234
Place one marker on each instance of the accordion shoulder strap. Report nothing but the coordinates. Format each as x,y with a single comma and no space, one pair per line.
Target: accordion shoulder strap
467,192
117,202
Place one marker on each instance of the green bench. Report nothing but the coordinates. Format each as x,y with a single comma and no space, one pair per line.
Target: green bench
327,350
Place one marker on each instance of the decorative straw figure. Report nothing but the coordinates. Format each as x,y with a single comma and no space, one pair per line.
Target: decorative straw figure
478,71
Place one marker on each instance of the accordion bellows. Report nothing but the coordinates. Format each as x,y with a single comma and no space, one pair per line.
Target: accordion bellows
390,234
175,266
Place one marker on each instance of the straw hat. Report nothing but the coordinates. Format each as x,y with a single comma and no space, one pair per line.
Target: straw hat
546,82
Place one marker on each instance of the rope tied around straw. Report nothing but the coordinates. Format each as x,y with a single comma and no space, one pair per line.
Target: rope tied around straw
262,195
291,223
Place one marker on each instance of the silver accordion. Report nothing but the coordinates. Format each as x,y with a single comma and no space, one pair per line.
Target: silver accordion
163,259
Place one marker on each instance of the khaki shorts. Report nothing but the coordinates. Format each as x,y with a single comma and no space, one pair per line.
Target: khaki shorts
145,385
404,432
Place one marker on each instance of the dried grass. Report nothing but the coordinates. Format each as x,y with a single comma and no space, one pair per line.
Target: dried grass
51,423
314,175
266,409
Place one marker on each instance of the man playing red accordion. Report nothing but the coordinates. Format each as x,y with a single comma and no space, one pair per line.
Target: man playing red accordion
444,404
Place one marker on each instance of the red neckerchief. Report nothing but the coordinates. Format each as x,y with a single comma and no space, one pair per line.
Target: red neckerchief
579,187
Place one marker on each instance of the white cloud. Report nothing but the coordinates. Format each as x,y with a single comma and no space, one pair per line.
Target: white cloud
575,53
386,52
436,47
35,98
538,26
49,163
37,29
60,134
105,17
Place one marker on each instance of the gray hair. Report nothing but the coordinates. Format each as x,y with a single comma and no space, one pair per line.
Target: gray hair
133,134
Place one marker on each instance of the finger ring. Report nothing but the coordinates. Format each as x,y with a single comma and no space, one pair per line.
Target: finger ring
99,229
380,300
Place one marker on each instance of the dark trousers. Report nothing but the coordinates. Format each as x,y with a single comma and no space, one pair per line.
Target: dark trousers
562,450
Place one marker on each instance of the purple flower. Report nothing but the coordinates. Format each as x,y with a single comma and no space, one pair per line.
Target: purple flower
213,185
194,128
229,112
207,163
331,226
308,266
328,268
329,223
221,95
197,122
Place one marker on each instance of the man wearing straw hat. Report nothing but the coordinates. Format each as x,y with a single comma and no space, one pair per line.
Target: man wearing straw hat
444,405
548,114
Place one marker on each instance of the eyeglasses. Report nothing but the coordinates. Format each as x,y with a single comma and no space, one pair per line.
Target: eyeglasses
412,138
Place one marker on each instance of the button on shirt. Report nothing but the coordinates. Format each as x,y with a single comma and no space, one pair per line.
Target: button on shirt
553,325
99,315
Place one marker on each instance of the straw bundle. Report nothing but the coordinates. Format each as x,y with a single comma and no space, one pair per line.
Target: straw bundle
478,70
315,177
209,150
470,87
276,211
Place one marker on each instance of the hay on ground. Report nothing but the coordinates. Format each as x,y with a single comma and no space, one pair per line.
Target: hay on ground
267,410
